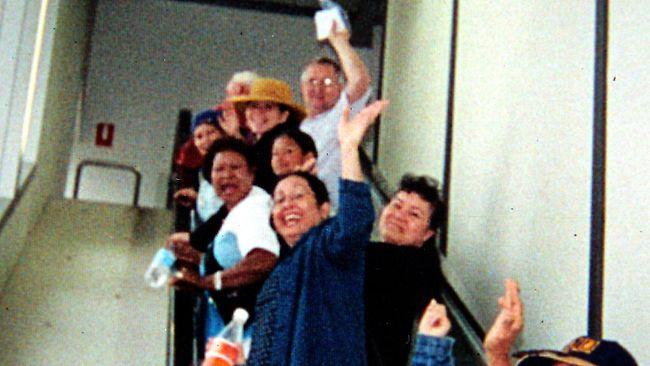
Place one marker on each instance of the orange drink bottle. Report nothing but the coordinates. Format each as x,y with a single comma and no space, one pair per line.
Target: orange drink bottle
226,348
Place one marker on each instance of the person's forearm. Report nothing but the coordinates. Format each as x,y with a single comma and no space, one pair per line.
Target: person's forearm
350,164
354,69
254,267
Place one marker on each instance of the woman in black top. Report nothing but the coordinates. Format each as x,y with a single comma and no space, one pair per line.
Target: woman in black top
403,272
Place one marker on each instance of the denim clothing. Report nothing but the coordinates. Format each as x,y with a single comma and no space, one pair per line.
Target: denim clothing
433,351
310,310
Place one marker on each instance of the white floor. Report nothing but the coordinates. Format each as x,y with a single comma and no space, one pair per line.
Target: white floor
77,295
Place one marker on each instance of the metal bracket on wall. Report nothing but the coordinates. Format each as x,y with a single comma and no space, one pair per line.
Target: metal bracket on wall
109,165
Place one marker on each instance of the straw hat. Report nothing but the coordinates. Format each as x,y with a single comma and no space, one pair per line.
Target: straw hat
270,90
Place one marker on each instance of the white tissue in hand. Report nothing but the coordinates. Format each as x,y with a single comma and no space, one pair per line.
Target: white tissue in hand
324,20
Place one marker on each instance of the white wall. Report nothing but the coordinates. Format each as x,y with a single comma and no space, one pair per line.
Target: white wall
521,154
627,254
520,190
521,169
414,124
64,78
150,58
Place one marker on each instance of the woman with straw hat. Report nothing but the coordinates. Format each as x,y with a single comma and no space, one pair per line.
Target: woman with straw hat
269,110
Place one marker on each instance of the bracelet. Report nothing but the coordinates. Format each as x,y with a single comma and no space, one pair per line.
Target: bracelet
217,280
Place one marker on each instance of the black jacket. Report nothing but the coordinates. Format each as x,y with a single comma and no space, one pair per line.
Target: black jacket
400,282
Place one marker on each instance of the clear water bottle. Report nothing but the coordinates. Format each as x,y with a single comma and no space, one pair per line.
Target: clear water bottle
160,268
227,347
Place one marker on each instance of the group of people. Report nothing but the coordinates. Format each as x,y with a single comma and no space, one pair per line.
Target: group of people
283,222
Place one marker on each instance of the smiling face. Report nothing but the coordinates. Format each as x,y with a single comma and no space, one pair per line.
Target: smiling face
295,209
320,88
232,178
263,116
405,220
287,156
204,136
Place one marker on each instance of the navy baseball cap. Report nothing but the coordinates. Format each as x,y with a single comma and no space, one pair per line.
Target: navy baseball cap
209,116
582,351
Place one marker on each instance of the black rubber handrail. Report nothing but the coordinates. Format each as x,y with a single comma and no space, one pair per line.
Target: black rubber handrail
181,350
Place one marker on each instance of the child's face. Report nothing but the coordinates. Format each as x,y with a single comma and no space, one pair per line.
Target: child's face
204,136
286,156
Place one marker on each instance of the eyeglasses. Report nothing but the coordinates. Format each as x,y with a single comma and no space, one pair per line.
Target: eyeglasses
327,82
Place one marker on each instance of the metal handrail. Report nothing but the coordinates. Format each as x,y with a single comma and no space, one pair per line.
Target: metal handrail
108,164
181,349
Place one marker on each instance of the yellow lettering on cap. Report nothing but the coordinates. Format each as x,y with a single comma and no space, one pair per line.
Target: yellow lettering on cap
582,345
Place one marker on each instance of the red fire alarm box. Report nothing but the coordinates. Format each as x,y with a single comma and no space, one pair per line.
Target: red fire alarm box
104,134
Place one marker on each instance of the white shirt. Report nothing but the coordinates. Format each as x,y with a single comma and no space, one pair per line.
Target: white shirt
247,227
323,128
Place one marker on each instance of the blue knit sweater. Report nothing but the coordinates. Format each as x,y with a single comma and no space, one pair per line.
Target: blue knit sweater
433,351
311,308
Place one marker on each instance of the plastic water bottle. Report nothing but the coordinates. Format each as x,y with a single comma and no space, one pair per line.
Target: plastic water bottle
226,348
160,268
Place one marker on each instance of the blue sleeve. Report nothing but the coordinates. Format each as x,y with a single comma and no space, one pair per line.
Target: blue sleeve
433,351
351,227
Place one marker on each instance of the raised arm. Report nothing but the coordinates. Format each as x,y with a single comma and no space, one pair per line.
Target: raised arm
507,326
354,69
355,215
351,132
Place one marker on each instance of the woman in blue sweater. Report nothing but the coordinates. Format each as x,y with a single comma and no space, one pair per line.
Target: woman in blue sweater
310,310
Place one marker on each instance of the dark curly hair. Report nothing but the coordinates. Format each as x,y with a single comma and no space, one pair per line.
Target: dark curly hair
227,144
427,188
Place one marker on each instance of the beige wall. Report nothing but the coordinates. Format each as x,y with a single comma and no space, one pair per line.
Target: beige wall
412,131
521,154
63,88
520,191
627,253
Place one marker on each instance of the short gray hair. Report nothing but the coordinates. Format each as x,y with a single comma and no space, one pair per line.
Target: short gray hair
323,61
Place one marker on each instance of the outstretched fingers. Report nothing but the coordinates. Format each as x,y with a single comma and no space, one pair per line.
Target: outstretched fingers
369,114
308,166
514,305
351,131
507,325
